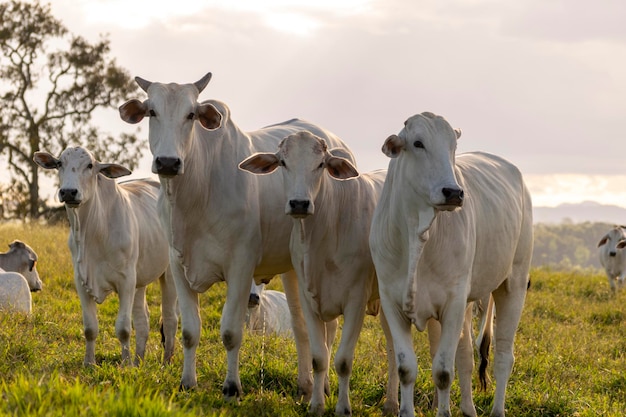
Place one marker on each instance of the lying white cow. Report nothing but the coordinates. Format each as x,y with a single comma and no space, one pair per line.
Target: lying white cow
223,224
18,277
22,259
268,312
329,247
613,257
117,245
432,256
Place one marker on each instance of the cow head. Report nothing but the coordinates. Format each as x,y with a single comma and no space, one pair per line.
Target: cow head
425,150
78,173
22,259
304,157
173,110
613,241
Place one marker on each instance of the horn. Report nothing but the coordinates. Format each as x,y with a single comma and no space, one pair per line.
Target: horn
202,82
144,84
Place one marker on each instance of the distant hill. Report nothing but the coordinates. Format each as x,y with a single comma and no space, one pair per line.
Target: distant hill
587,211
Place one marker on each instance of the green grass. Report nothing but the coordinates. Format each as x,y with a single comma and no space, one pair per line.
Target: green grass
570,355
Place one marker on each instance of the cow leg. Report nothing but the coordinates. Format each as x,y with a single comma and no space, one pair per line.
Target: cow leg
169,315
301,337
465,364
331,332
405,359
141,324
231,329
443,363
123,321
509,303
390,407
190,322
320,359
344,357
90,323
434,336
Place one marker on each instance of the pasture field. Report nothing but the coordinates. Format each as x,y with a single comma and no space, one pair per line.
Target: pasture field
570,355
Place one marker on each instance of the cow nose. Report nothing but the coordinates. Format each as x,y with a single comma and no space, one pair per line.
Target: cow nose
612,253
253,300
166,165
453,196
68,194
299,207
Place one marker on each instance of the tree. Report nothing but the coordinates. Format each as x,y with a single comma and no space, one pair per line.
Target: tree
51,83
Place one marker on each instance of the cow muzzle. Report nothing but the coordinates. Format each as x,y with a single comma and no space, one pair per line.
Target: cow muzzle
453,198
167,166
299,208
253,300
69,196
612,254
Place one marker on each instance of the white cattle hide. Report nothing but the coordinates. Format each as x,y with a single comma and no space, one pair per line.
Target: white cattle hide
433,256
14,293
223,224
117,245
612,256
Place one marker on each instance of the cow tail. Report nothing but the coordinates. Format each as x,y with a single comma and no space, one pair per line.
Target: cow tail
486,331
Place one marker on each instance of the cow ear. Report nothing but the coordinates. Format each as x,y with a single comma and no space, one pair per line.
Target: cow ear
113,170
457,132
603,240
133,111
340,168
45,160
209,117
392,146
621,244
260,163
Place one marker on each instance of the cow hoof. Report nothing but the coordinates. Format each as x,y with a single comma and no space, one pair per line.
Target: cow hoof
231,391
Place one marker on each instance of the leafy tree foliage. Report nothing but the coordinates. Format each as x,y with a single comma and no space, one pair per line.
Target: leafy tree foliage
568,245
51,82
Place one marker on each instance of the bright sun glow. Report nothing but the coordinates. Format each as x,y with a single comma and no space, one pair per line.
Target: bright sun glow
292,16
555,189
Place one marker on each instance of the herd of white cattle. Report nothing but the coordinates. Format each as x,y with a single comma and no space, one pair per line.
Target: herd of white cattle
416,244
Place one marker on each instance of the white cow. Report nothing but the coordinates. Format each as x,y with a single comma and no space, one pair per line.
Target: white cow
329,247
223,224
15,293
432,256
22,259
268,312
117,245
18,277
612,257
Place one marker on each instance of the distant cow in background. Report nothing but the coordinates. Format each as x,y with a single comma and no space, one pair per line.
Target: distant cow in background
18,277
117,244
268,312
612,257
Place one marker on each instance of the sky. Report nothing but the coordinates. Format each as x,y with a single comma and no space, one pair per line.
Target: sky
539,82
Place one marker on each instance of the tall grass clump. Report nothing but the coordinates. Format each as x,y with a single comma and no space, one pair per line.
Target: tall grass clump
570,355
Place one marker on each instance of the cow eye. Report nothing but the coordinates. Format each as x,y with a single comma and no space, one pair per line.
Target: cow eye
31,264
190,116
282,163
90,166
418,144
320,166
152,113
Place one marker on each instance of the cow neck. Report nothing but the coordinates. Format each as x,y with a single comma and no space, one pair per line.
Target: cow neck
92,212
